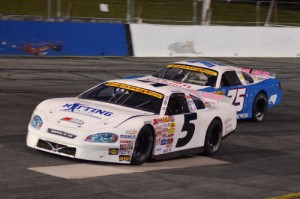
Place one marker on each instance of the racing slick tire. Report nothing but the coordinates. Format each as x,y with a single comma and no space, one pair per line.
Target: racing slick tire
260,107
213,138
143,146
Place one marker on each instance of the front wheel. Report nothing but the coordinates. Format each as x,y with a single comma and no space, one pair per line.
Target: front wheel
260,107
143,146
213,138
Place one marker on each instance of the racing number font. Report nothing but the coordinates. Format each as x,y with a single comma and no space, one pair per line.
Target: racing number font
189,128
237,97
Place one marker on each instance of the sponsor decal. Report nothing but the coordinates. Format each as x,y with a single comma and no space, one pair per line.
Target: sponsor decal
126,141
126,158
173,124
165,126
163,142
256,72
158,141
194,68
242,116
125,152
172,130
113,151
170,135
126,144
155,121
131,132
172,119
166,119
167,150
135,89
159,150
220,92
260,72
61,133
128,136
170,141
159,128
161,120
273,99
207,105
73,120
169,145
85,110
165,134
192,105
159,133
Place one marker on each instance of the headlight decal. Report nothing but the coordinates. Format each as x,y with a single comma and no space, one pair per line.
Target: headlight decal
106,137
36,122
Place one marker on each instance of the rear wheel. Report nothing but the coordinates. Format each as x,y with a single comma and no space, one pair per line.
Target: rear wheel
143,146
213,138
260,107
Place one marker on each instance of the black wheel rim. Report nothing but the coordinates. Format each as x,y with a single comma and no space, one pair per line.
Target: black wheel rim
140,148
213,139
260,109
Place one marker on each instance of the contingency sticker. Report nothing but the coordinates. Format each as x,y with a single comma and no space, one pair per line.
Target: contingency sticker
165,128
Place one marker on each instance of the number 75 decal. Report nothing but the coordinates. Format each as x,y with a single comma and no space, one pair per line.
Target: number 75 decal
237,98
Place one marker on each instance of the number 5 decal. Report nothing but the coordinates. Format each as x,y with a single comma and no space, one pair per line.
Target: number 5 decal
189,128
237,98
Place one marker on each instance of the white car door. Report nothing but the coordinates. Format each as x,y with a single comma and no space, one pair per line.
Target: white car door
186,123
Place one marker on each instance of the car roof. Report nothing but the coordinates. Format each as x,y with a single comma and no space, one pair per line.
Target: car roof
153,86
209,65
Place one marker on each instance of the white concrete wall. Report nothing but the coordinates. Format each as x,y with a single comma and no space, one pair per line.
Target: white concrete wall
214,41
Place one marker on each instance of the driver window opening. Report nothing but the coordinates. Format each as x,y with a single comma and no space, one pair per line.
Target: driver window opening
177,104
230,78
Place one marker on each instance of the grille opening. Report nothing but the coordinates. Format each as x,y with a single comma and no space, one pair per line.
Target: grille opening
52,146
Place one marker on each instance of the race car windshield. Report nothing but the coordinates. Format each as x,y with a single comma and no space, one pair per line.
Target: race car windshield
187,76
125,97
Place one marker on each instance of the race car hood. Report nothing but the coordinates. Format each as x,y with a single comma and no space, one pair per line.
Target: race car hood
86,114
172,83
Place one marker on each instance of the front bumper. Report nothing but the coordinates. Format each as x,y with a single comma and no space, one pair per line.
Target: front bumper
75,148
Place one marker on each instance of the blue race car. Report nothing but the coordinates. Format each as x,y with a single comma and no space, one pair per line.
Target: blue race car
252,92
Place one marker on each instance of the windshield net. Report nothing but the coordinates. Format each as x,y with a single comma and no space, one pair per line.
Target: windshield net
126,95
188,74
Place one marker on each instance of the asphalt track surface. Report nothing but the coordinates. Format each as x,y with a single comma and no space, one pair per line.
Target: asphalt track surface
261,160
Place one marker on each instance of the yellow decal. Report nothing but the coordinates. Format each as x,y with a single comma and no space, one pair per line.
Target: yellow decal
166,119
287,196
124,158
171,131
192,68
136,89
173,124
219,92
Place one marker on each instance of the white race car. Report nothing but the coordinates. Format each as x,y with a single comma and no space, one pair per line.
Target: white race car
130,121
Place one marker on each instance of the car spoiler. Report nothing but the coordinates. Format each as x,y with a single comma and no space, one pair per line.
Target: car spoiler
212,96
